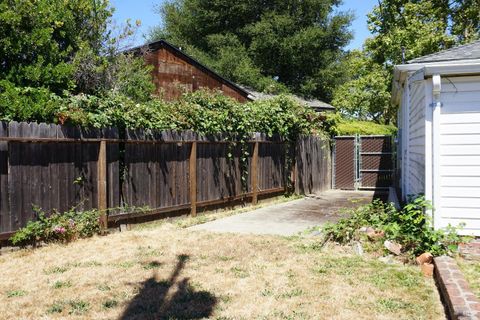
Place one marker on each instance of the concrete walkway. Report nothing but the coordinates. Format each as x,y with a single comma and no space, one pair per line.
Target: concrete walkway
292,217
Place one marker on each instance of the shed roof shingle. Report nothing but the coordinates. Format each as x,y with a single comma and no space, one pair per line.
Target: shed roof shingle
315,104
468,51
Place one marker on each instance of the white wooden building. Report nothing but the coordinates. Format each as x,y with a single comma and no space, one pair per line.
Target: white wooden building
439,133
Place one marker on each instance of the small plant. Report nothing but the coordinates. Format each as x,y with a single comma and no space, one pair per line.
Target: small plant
62,284
111,303
56,269
409,227
15,293
56,307
239,272
62,227
78,306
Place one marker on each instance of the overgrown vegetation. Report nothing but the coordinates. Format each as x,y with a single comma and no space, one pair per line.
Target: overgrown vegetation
336,125
58,227
410,227
202,111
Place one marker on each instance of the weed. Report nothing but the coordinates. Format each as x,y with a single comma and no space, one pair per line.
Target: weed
111,303
15,293
392,305
56,307
290,294
104,287
62,284
55,269
224,258
78,306
239,272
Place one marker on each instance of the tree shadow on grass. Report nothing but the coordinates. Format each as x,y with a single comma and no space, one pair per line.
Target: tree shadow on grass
170,299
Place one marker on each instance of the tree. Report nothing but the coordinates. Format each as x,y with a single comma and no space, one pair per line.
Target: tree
465,16
366,95
412,28
402,30
40,38
297,43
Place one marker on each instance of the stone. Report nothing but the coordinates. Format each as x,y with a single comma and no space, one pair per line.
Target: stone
427,269
358,248
315,233
366,230
393,247
375,234
426,257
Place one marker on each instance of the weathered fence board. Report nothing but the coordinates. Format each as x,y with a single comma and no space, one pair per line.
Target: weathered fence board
57,168
313,165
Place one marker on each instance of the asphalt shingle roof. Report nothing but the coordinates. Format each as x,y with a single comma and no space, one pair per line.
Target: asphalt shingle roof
464,52
316,104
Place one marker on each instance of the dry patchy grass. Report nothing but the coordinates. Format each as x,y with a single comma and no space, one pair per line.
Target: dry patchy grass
471,271
172,273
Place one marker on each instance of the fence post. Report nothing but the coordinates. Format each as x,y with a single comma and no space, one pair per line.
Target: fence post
193,179
255,173
102,184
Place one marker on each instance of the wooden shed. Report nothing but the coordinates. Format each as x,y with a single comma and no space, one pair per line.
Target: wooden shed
175,72
439,133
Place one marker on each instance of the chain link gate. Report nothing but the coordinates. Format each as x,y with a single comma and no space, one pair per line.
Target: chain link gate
363,162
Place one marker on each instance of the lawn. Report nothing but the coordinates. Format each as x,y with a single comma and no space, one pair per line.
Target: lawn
166,272
471,271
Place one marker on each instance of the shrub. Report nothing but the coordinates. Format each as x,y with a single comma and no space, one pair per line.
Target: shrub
409,227
58,227
335,125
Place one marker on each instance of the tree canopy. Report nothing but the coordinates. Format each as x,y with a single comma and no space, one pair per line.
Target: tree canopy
40,38
401,30
263,44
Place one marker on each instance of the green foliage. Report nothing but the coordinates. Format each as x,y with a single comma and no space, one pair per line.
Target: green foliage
335,125
27,103
202,111
366,96
409,227
297,42
418,28
40,38
16,293
62,227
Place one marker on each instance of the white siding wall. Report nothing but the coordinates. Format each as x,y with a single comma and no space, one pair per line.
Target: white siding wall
415,179
458,185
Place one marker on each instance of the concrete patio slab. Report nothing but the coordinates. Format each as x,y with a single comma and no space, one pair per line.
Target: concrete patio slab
292,217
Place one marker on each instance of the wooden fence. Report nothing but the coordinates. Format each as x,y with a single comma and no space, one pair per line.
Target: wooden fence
56,167
313,165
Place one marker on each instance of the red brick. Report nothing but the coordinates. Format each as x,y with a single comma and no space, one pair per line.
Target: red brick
458,301
475,306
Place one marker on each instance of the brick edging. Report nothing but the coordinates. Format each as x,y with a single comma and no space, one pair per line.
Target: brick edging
460,301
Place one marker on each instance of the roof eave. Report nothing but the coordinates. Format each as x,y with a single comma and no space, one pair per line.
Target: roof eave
449,68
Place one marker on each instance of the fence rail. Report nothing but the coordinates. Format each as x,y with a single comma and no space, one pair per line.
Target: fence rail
56,167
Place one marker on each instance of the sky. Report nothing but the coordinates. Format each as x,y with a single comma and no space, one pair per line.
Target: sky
144,10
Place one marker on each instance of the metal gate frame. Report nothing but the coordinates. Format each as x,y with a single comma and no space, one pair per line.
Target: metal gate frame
358,154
